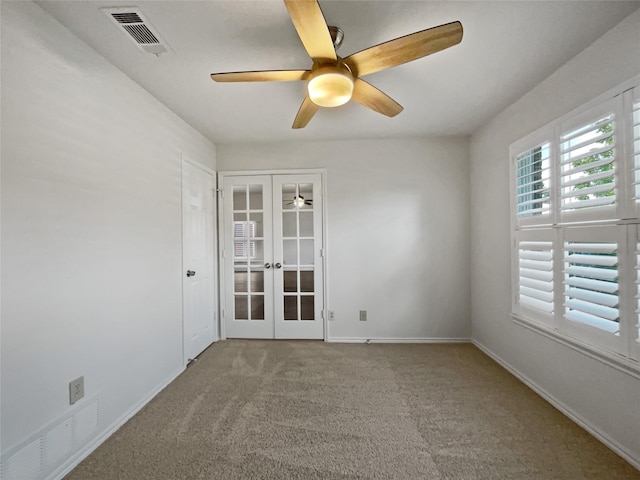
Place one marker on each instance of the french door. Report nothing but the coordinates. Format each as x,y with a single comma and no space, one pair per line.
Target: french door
272,254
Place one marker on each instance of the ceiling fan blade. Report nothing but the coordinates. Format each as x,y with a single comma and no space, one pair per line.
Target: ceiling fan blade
405,49
312,29
261,76
307,110
366,94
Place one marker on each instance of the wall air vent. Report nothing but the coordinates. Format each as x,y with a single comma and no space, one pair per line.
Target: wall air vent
138,29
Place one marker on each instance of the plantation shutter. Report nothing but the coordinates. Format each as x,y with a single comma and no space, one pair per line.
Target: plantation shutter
575,212
591,284
587,165
637,301
532,181
636,145
535,275
637,289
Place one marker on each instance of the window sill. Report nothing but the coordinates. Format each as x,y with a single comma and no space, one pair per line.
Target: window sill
623,364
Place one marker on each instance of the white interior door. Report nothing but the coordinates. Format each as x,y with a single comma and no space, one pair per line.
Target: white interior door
298,284
198,247
247,257
273,266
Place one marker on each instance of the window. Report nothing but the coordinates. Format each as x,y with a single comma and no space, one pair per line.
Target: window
587,177
635,135
532,176
636,304
576,224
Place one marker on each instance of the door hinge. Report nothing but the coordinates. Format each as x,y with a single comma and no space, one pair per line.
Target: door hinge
322,252
223,313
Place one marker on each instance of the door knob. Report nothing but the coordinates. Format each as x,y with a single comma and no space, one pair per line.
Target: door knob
267,265
190,273
278,265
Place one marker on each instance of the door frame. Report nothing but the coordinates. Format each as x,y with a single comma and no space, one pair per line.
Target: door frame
214,256
221,231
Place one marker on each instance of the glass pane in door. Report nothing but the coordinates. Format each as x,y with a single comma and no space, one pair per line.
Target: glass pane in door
306,224
241,311
255,197
257,282
290,280
240,280
289,196
306,280
307,308
290,252
239,197
298,251
290,307
306,252
305,197
289,225
256,224
257,307
248,252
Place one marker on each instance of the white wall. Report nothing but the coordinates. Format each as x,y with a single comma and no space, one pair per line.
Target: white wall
91,228
604,398
397,227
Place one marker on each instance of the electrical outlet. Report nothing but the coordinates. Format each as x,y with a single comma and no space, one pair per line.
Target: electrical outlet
363,315
332,316
76,390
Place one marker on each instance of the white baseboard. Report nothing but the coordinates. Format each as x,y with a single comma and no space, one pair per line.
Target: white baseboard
85,451
565,409
395,340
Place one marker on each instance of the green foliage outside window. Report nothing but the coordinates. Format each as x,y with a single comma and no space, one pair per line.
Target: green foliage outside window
608,154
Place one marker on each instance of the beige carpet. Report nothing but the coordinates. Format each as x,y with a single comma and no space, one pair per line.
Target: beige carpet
312,410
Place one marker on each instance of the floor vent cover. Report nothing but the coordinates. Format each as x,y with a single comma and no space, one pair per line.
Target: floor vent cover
138,29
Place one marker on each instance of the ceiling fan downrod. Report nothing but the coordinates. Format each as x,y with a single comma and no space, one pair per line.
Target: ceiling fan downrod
337,35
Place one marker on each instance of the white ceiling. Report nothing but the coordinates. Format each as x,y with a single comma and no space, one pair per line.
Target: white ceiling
507,48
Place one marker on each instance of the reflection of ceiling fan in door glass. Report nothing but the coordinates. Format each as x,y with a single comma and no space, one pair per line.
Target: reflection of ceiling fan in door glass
299,201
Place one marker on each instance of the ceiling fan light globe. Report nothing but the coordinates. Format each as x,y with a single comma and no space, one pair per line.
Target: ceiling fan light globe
330,87
298,202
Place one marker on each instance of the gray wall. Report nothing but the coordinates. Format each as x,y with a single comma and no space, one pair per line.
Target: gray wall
604,399
91,231
398,230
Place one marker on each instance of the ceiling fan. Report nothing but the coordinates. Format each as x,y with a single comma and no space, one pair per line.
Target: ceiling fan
299,201
333,81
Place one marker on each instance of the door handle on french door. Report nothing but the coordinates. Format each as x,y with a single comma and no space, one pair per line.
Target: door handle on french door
277,265
267,265
190,273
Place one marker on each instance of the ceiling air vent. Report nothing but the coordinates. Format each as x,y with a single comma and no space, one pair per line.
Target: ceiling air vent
137,28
